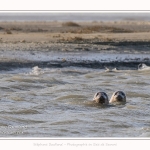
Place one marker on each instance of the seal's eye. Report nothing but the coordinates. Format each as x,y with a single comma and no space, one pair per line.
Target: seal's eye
105,94
122,93
116,93
97,94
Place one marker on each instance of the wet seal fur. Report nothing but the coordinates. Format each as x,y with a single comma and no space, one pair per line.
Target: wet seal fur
118,97
101,98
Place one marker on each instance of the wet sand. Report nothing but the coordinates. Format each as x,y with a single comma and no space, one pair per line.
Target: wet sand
96,37
52,35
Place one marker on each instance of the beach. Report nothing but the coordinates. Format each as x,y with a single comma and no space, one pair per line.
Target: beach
76,37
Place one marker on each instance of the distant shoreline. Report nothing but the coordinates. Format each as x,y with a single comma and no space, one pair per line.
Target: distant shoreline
123,37
72,16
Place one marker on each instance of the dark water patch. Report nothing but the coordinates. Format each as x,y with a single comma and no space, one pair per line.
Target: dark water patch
22,112
125,43
8,66
64,122
7,89
24,87
119,125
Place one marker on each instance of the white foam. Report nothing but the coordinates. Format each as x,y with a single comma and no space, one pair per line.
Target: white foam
36,71
110,70
143,67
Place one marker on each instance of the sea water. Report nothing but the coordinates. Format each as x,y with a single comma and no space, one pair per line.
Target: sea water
53,101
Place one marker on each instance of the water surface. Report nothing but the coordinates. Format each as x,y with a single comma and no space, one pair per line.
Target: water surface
57,102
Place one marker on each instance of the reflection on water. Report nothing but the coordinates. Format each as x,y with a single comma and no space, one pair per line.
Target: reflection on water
57,102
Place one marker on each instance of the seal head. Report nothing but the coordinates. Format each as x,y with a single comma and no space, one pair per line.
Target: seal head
118,96
101,98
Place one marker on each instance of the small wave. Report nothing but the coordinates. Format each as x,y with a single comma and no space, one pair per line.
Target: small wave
16,98
110,70
143,67
72,97
65,122
23,111
36,71
26,111
145,134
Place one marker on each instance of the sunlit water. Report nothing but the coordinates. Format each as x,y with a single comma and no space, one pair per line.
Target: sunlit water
57,102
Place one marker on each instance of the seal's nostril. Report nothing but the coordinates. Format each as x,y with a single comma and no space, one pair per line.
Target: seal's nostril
102,99
119,97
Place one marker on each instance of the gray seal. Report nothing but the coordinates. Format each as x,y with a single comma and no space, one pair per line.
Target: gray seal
101,98
118,96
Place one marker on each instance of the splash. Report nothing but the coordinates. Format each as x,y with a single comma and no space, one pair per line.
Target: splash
36,71
143,67
110,70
